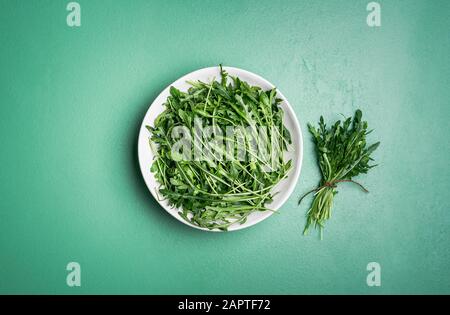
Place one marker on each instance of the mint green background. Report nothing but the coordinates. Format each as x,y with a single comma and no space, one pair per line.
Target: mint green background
72,101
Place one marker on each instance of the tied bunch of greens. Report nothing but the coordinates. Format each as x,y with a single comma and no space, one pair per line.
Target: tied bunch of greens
217,193
342,153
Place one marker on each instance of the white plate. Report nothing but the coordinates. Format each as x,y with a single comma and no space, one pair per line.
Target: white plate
284,187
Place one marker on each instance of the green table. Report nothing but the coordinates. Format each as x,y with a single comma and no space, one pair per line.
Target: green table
72,100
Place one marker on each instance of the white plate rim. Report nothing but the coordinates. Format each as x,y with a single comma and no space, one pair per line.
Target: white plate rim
144,148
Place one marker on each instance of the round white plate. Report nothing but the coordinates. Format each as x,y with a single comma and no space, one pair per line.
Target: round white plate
284,187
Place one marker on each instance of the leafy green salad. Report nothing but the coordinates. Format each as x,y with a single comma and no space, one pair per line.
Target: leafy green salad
219,151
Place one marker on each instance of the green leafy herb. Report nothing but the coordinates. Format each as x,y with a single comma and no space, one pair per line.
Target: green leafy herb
219,192
342,154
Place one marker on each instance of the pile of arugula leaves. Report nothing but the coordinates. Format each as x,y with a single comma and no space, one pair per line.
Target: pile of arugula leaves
217,193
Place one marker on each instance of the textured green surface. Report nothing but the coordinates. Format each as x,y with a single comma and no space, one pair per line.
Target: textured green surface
72,101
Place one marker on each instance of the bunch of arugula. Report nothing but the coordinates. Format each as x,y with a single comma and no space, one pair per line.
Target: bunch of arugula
217,194
342,153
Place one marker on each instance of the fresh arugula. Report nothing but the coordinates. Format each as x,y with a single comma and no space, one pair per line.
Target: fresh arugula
216,194
342,153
